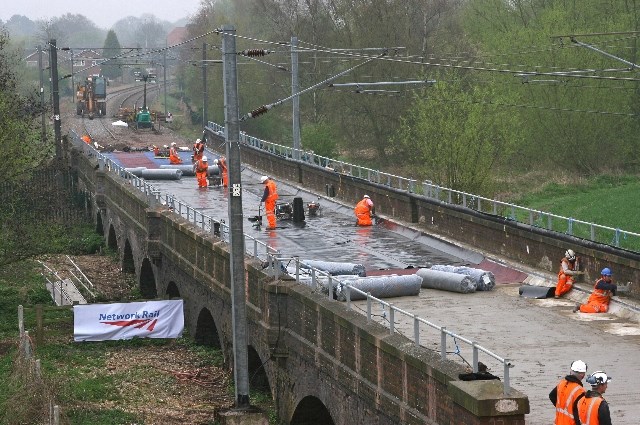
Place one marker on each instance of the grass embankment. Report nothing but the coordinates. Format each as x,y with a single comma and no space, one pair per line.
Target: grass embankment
611,201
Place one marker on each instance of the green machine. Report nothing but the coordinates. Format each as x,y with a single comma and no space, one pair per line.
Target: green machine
143,119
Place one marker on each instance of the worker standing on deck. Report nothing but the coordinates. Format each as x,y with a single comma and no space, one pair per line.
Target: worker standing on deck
269,197
364,210
173,154
593,409
600,298
566,394
202,172
198,150
568,269
224,171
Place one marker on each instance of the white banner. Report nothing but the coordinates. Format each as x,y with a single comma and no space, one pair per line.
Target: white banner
149,319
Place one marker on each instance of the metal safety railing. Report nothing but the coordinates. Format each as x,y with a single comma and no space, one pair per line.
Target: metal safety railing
395,316
536,218
567,225
369,174
253,246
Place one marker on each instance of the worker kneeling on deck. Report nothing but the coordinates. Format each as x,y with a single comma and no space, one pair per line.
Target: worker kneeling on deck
364,210
600,298
568,270
269,197
202,172
174,158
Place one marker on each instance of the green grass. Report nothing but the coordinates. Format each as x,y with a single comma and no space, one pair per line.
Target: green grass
605,200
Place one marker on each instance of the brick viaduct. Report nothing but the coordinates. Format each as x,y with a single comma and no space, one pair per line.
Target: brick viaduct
322,363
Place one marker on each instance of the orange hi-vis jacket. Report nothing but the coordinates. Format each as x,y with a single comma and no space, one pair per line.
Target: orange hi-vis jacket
198,151
273,193
599,296
569,266
174,158
362,211
568,392
588,410
201,166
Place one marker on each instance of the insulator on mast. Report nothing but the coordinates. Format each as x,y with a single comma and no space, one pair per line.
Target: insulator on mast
254,52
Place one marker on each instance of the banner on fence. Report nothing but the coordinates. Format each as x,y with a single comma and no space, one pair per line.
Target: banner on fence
149,319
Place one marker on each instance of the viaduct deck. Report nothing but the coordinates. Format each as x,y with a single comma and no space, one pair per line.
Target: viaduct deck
541,337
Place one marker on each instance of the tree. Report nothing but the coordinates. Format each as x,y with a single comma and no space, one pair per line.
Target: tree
111,69
453,137
19,133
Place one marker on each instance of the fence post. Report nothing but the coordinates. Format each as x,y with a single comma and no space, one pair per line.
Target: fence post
443,343
21,320
39,330
416,330
507,386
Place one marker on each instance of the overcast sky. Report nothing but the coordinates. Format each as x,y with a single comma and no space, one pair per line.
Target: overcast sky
103,13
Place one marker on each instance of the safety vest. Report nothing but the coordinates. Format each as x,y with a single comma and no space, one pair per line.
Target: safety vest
599,296
362,208
588,410
273,193
568,392
569,265
202,166
222,164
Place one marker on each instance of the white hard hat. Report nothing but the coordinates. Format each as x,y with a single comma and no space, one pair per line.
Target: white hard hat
579,366
263,179
204,158
366,196
598,378
215,161
198,140
570,254
173,143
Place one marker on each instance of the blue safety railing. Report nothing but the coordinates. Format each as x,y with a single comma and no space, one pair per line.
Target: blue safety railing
567,225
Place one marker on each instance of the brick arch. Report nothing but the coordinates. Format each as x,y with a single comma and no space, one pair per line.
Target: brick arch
311,411
206,330
112,239
99,224
128,263
147,280
172,290
258,377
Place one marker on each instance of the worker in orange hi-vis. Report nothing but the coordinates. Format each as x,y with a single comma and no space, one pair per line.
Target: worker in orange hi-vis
600,298
173,155
198,150
269,197
202,172
364,210
569,266
87,139
224,171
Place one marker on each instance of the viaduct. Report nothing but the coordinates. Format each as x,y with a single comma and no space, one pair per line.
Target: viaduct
322,363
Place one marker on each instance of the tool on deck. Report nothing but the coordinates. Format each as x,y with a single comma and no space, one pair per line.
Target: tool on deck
256,219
